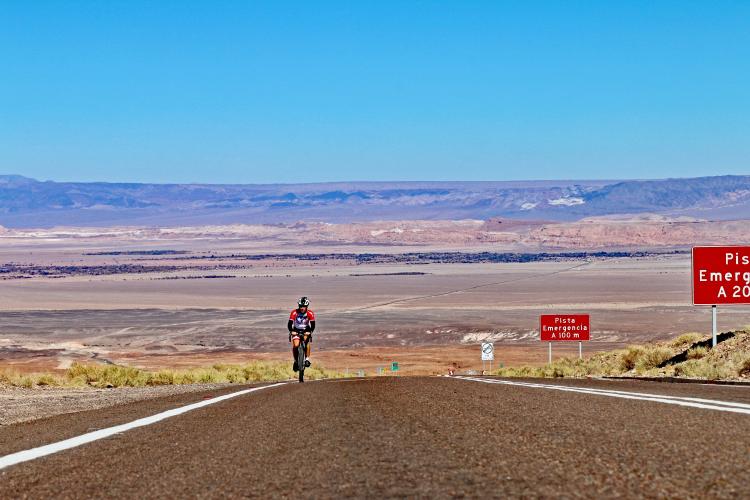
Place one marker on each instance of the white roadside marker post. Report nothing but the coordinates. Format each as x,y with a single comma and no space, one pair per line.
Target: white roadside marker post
713,326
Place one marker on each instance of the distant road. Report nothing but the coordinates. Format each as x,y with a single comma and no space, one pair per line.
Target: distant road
403,437
473,287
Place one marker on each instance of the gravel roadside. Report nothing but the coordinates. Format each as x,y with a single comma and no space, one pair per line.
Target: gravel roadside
22,405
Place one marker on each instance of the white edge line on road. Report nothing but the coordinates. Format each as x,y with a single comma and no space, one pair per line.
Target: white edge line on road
706,404
650,395
49,449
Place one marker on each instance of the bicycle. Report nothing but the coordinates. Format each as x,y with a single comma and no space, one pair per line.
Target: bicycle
301,360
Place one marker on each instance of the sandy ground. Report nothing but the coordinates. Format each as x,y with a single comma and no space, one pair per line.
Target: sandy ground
417,360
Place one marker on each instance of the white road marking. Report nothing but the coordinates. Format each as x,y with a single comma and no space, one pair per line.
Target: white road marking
706,404
49,449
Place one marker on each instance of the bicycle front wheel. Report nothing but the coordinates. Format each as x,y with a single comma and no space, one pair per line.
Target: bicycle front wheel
301,361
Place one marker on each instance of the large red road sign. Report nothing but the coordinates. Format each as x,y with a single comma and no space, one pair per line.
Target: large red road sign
721,275
563,327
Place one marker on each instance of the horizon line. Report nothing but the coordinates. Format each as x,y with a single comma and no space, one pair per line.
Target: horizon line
423,181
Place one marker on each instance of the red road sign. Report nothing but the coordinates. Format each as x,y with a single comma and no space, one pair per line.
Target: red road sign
564,327
721,275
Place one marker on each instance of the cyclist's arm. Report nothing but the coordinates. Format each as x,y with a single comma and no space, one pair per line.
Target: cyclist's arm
289,325
311,315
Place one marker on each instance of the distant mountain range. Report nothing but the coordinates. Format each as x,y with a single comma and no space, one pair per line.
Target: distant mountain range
27,202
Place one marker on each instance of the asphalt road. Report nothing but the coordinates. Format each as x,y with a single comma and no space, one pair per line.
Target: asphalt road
399,437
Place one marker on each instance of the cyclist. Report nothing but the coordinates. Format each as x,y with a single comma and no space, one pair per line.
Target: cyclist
302,322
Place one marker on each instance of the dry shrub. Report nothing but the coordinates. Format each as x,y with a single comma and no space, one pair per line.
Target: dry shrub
705,369
729,362
564,367
685,339
29,380
630,358
25,381
48,380
521,371
697,353
107,375
652,357
162,377
124,376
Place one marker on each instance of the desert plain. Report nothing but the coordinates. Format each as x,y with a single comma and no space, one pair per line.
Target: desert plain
155,299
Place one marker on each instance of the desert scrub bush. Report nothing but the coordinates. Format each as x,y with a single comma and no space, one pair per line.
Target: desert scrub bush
162,377
210,376
685,340
25,381
124,376
743,370
29,380
46,379
704,368
519,371
559,371
258,371
107,375
182,378
603,363
85,373
697,352
643,358
235,375
571,367
10,378
652,357
564,367
630,357
732,359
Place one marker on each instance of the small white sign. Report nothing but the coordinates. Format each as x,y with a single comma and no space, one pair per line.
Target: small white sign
488,351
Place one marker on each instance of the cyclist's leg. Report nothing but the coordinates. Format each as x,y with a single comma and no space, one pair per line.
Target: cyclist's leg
295,346
308,343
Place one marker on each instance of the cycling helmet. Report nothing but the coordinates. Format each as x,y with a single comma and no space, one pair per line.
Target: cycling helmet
303,302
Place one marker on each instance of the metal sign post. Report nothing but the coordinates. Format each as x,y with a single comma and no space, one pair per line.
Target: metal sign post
713,324
580,350
550,353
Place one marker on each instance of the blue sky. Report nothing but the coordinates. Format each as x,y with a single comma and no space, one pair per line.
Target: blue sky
281,91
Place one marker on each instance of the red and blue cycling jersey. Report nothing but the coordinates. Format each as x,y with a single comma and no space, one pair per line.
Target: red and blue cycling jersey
301,321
